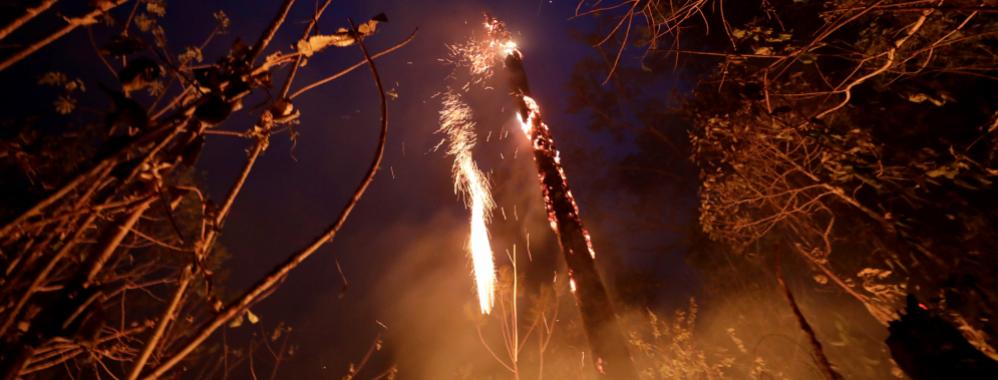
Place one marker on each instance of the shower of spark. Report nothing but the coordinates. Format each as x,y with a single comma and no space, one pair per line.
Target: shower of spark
457,125
479,57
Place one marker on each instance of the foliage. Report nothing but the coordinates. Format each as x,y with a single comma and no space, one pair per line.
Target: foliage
108,242
672,350
828,139
856,137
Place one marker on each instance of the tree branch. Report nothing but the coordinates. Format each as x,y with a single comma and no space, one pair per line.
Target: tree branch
278,274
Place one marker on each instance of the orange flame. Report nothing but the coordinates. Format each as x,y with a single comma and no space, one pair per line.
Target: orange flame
456,123
530,126
535,129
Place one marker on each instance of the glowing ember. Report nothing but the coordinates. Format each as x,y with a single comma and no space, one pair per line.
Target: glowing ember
478,56
527,124
530,119
456,123
508,47
538,133
478,53
605,339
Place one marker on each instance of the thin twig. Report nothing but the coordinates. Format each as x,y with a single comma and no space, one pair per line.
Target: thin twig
28,15
124,228
268,35
164,320
352,68
71,24
300,58
817,351
277,275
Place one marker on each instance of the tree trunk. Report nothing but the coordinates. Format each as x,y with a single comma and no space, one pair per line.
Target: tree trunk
609,349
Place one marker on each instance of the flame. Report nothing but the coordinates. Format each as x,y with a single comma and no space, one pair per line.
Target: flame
527,123
481,56
508,47
456,123
534,129
537,132
479,245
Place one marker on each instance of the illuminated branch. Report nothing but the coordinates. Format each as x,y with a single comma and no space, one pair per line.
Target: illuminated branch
353,67
168,315
28,15
103,213
267,36
112,244
71,24
263,287
890,54
300,58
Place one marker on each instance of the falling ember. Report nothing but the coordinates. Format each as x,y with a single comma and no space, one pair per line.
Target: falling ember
609,348
538,132
456,124
535,129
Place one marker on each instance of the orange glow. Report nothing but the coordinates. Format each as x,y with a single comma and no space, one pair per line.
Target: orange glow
479,245
531,123
527,125
456,123
508,47
534,129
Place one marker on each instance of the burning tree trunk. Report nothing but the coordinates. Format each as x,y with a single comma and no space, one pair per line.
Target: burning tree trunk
609,349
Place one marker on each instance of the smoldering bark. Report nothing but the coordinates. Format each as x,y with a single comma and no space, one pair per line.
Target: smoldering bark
609,348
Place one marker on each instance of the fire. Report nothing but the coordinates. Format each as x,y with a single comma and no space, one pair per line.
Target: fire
531,123
456,123
606,341
479,245
480,57
527,124
537,132
508,47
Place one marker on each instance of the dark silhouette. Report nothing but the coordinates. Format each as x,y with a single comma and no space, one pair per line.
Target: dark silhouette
925,346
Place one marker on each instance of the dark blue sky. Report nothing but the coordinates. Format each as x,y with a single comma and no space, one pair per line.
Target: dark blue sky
412,219
402,250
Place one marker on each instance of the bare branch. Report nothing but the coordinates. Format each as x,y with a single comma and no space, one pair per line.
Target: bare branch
277,275
28,15
71,24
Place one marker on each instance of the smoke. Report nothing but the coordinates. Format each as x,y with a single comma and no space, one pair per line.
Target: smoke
427,295
427,299
752,326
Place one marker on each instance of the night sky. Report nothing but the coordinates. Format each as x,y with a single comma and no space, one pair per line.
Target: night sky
402,250
713,187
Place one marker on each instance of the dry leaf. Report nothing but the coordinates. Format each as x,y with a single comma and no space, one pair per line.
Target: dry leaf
342,37
315,44
253,318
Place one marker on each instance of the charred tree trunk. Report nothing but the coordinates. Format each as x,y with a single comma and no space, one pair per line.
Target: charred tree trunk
818,353
926,346
609,349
